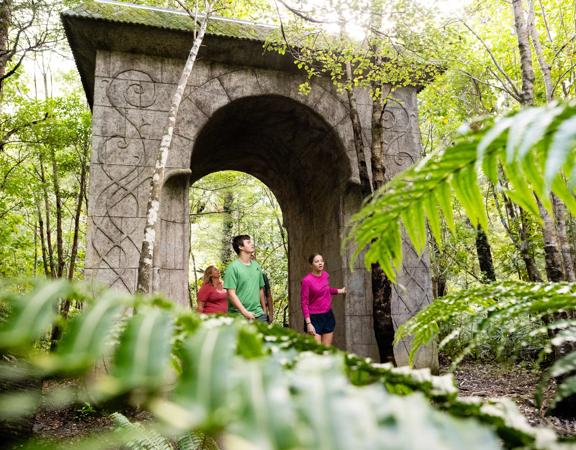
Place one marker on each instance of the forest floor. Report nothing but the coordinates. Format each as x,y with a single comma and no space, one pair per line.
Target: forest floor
473,379
515,383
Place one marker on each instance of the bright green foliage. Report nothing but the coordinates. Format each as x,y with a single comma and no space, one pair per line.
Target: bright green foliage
535,148
37,134
225,204
150,439
397,42
256,384
505,307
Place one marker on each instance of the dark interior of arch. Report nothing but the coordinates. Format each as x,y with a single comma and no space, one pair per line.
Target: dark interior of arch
279,141
299,157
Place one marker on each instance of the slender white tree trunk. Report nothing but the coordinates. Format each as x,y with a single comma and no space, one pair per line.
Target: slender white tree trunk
153,208
535,37
525,53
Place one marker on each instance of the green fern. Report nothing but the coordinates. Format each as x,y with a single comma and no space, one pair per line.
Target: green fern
501,306
252,383
535,148
147,439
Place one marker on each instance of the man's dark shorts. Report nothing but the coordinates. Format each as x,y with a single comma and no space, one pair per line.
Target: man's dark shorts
323,323
263,318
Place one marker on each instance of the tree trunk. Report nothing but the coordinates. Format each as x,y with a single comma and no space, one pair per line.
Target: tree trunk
438,274
522,239
147,252
58,201
484,252
527,95
78,213
359,144
561,216
378,169
554,269
552,255
48,231
382,314
535,37
5,18
227,228
42,240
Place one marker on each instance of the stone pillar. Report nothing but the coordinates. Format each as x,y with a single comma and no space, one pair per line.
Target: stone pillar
413,290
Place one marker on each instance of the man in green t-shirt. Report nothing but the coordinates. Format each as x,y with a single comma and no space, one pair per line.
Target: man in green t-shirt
244,282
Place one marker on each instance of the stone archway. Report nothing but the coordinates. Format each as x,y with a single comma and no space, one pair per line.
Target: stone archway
242,110
298,156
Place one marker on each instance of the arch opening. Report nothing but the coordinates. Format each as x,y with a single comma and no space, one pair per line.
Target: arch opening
225,204
299,157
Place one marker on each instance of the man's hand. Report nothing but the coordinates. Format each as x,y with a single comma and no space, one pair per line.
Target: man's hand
248,315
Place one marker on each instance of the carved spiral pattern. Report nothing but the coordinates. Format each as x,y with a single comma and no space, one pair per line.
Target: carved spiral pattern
121,158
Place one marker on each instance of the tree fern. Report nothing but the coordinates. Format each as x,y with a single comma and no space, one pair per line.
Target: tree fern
535,148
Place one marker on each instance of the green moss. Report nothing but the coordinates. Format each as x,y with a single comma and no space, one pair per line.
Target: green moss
171,20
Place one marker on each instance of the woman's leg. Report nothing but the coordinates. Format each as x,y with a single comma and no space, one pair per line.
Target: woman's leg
327,338
318,338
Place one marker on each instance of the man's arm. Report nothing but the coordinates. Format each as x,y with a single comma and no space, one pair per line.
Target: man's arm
238,304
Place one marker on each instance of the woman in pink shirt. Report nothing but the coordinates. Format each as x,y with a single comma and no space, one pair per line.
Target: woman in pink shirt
316,300
212,297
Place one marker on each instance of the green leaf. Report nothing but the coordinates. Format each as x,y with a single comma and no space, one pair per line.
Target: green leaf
88,334
414,221
521,122
491,135
32,314
207,379
432,213
563,143
538,128
143,354
444,199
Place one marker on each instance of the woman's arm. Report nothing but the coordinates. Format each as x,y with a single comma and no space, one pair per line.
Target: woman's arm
202,297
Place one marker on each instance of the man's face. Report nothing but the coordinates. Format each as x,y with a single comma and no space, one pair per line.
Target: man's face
247,246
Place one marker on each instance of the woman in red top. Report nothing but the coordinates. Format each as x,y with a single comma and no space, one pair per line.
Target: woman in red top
212,297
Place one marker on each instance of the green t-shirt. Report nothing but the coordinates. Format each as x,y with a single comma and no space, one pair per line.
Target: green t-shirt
247,280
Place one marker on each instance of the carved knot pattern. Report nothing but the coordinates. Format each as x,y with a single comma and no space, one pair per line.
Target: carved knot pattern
397,125
401,150
121,160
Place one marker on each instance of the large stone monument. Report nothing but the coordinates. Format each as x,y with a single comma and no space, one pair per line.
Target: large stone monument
242,110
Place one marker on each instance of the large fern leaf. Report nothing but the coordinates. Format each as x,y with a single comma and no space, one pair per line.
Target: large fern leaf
536,148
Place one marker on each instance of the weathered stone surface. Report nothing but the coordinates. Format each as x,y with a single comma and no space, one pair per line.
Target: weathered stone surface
120,63
121,279
133,93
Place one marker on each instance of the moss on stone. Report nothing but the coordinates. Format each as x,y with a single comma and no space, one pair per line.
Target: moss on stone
167,19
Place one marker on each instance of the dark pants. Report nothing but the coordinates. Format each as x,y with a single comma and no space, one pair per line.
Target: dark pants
323,323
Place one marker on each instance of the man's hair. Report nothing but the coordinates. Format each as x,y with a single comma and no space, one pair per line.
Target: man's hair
237,241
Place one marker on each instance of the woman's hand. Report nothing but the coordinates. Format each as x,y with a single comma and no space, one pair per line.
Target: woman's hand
343,290
310,329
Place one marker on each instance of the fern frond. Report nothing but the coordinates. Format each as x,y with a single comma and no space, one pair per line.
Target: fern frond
502,306
268,386
536,149
148,439
197,441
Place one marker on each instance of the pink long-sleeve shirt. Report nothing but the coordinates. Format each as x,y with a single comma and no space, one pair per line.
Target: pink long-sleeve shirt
316,294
